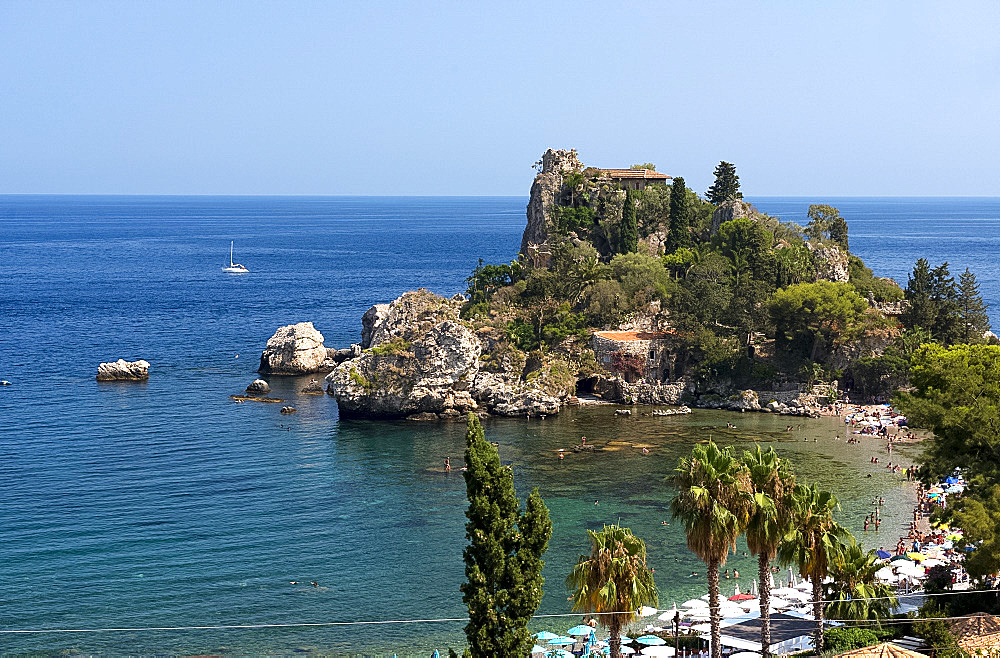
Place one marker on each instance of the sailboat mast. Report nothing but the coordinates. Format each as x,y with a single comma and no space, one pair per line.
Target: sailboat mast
230,254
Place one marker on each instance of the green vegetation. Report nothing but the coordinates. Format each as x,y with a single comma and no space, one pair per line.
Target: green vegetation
726,186
398,346
612,579
503,561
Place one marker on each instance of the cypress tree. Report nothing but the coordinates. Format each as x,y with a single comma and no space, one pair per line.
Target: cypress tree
838,232
503,561
628,233
726,186
947,327
975,322
920,309
679,234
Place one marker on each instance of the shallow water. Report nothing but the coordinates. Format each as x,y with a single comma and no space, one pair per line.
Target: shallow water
166,504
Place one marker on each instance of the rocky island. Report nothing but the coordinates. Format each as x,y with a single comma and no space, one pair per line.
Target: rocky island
630,288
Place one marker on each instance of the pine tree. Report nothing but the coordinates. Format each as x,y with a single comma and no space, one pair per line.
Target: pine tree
838,232
975,322
503,561
726,186
628,233
679,234
920,309
947,326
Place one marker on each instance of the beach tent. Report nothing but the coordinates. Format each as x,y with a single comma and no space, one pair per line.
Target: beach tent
886,650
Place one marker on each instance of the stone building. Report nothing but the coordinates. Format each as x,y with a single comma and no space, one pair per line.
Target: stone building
635,355
634,179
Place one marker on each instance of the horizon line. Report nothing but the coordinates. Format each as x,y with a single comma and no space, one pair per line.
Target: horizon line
474,196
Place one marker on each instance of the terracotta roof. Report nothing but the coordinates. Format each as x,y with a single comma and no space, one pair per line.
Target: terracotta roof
634,173
886,650
976,625
624,336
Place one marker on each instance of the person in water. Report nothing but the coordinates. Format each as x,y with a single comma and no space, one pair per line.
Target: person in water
447,464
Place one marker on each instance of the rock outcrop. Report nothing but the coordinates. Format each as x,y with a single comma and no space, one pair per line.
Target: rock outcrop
830,262
122,370
420,359
730,210
545,191
258,386
371,321
295,349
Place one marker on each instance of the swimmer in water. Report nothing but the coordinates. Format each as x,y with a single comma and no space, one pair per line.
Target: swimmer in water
314,583
447,464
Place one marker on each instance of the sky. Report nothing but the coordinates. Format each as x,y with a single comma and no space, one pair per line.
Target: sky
460,98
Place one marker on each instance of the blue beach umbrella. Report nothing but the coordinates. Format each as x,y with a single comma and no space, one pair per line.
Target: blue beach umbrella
582,629
650,640
883,554
561,640
545,635
435,654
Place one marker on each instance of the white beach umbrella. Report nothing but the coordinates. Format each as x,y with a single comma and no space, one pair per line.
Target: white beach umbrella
698,614
705,597
657,651
736,591
778,603
753,588
750,604
695,603
885,573
669,614
646,611
701,628
745,654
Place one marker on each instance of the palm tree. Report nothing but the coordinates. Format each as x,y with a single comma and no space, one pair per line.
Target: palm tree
713,501
855,592
770,522
814,543
613,581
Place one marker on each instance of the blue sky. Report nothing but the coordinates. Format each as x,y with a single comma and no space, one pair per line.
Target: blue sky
807,98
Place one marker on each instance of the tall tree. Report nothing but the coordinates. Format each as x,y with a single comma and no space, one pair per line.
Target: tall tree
613,581
838,232
944,295
726,186
814,543
920,308
713,500
503,565
628,233
770,522
679,234
972,310
821,221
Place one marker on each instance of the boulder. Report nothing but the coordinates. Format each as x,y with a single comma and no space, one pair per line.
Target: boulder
745,401
295,349
421,359
122,370
288,410
730,210
258,386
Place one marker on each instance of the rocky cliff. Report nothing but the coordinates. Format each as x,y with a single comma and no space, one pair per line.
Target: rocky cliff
423,361
545,192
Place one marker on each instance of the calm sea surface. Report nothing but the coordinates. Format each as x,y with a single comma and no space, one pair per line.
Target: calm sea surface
164,504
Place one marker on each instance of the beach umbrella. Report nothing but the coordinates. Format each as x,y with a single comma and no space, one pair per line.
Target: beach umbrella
561,640
749,604
885,555
657,651
582,629
778,602
900,558
650,640
538,649
736,592
698,614
669,614
954,536
646,611
695,603
544,636
927,564
435,654
701,628
753,588
919,557
745,654
885,573
742,597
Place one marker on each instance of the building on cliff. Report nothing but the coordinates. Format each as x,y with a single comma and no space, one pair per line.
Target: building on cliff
634,179
635,355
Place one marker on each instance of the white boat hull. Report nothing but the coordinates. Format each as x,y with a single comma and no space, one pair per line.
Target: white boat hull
235,270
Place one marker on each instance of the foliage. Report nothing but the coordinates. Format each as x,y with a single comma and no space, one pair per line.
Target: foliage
612,581
825,223
977,514
629,231
503,565
811,316
547,326
866,283
878,376
573,218
632,366
855,592
726,186
974,322
920,309
644,165
714,503
793,264
956,392
642,278
934,630
679,234
487,279
846,638
396,346
747,245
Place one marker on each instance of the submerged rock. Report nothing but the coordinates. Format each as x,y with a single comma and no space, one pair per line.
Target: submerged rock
288,410
258,386
122,370
314,387
295,349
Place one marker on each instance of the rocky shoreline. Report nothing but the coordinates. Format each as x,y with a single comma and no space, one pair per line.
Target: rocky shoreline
418,359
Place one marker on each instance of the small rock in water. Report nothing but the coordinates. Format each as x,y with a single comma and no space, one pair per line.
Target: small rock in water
288,410
122,370
258,386
314,387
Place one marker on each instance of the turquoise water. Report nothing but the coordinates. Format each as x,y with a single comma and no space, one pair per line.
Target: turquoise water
166,504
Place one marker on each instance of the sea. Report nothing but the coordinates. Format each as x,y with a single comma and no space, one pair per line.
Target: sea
162,517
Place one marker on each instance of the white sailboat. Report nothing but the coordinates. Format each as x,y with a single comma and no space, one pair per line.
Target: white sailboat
234,268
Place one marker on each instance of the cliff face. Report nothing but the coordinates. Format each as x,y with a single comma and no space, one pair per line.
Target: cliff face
423,361
545,193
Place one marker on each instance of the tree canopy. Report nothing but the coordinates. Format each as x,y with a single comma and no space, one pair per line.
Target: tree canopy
726,185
